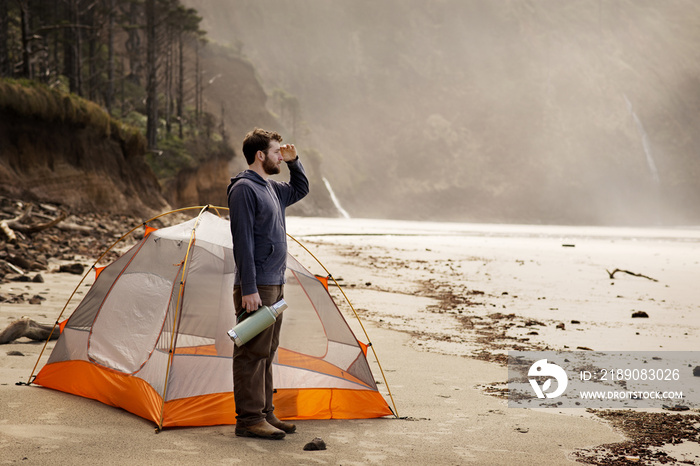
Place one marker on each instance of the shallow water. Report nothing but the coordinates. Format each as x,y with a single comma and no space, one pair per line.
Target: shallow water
307,226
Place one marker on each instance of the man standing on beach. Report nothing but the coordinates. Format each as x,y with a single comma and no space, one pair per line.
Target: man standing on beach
258,227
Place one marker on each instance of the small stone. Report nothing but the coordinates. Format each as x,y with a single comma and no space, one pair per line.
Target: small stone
36,299
38,278
696,371
315,444
15,353
640,314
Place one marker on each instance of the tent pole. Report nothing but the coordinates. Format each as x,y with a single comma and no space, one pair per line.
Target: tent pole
180,293
369,342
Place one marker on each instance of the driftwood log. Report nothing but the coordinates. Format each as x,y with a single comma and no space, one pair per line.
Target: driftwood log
612,274
11,266
8,232
21,224
26,327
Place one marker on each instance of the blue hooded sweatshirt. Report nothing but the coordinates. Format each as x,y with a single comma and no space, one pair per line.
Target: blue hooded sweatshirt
258,225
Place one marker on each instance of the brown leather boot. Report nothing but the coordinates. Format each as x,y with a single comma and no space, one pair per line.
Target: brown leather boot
285,426
262,429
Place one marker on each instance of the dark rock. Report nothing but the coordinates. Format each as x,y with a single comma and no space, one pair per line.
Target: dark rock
315,444
640,314
38,278
76,268
17,277
40,263
35,300
675,408
696,371
19,261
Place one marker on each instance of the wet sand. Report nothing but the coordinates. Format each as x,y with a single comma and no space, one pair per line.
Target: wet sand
442,304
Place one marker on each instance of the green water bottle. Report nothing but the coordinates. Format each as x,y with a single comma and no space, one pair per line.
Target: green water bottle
258,321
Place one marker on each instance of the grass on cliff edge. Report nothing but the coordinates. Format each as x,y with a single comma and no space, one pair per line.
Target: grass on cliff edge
33,99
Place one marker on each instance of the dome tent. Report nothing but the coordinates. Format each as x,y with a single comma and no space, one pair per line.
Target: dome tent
150,337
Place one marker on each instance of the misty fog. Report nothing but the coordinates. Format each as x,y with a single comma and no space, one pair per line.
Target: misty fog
542,111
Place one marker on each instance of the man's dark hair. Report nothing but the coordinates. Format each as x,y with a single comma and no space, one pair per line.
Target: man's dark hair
258,139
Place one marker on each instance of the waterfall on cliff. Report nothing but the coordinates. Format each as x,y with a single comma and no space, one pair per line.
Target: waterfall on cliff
645,142
335,200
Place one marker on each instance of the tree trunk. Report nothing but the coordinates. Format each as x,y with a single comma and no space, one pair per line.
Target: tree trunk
198,85
133,44
92,81
181,85
78,48
71,67
222,123
169,67
122,89
109,95
26,45
151,86
57,37
4,51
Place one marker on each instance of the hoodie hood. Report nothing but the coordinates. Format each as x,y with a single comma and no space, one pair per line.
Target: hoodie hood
246,175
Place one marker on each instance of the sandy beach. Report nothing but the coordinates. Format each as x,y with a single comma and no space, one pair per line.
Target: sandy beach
442,304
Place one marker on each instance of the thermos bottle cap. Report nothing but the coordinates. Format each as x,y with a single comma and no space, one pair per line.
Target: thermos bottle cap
279,306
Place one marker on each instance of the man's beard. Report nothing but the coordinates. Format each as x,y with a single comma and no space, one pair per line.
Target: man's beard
270,167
